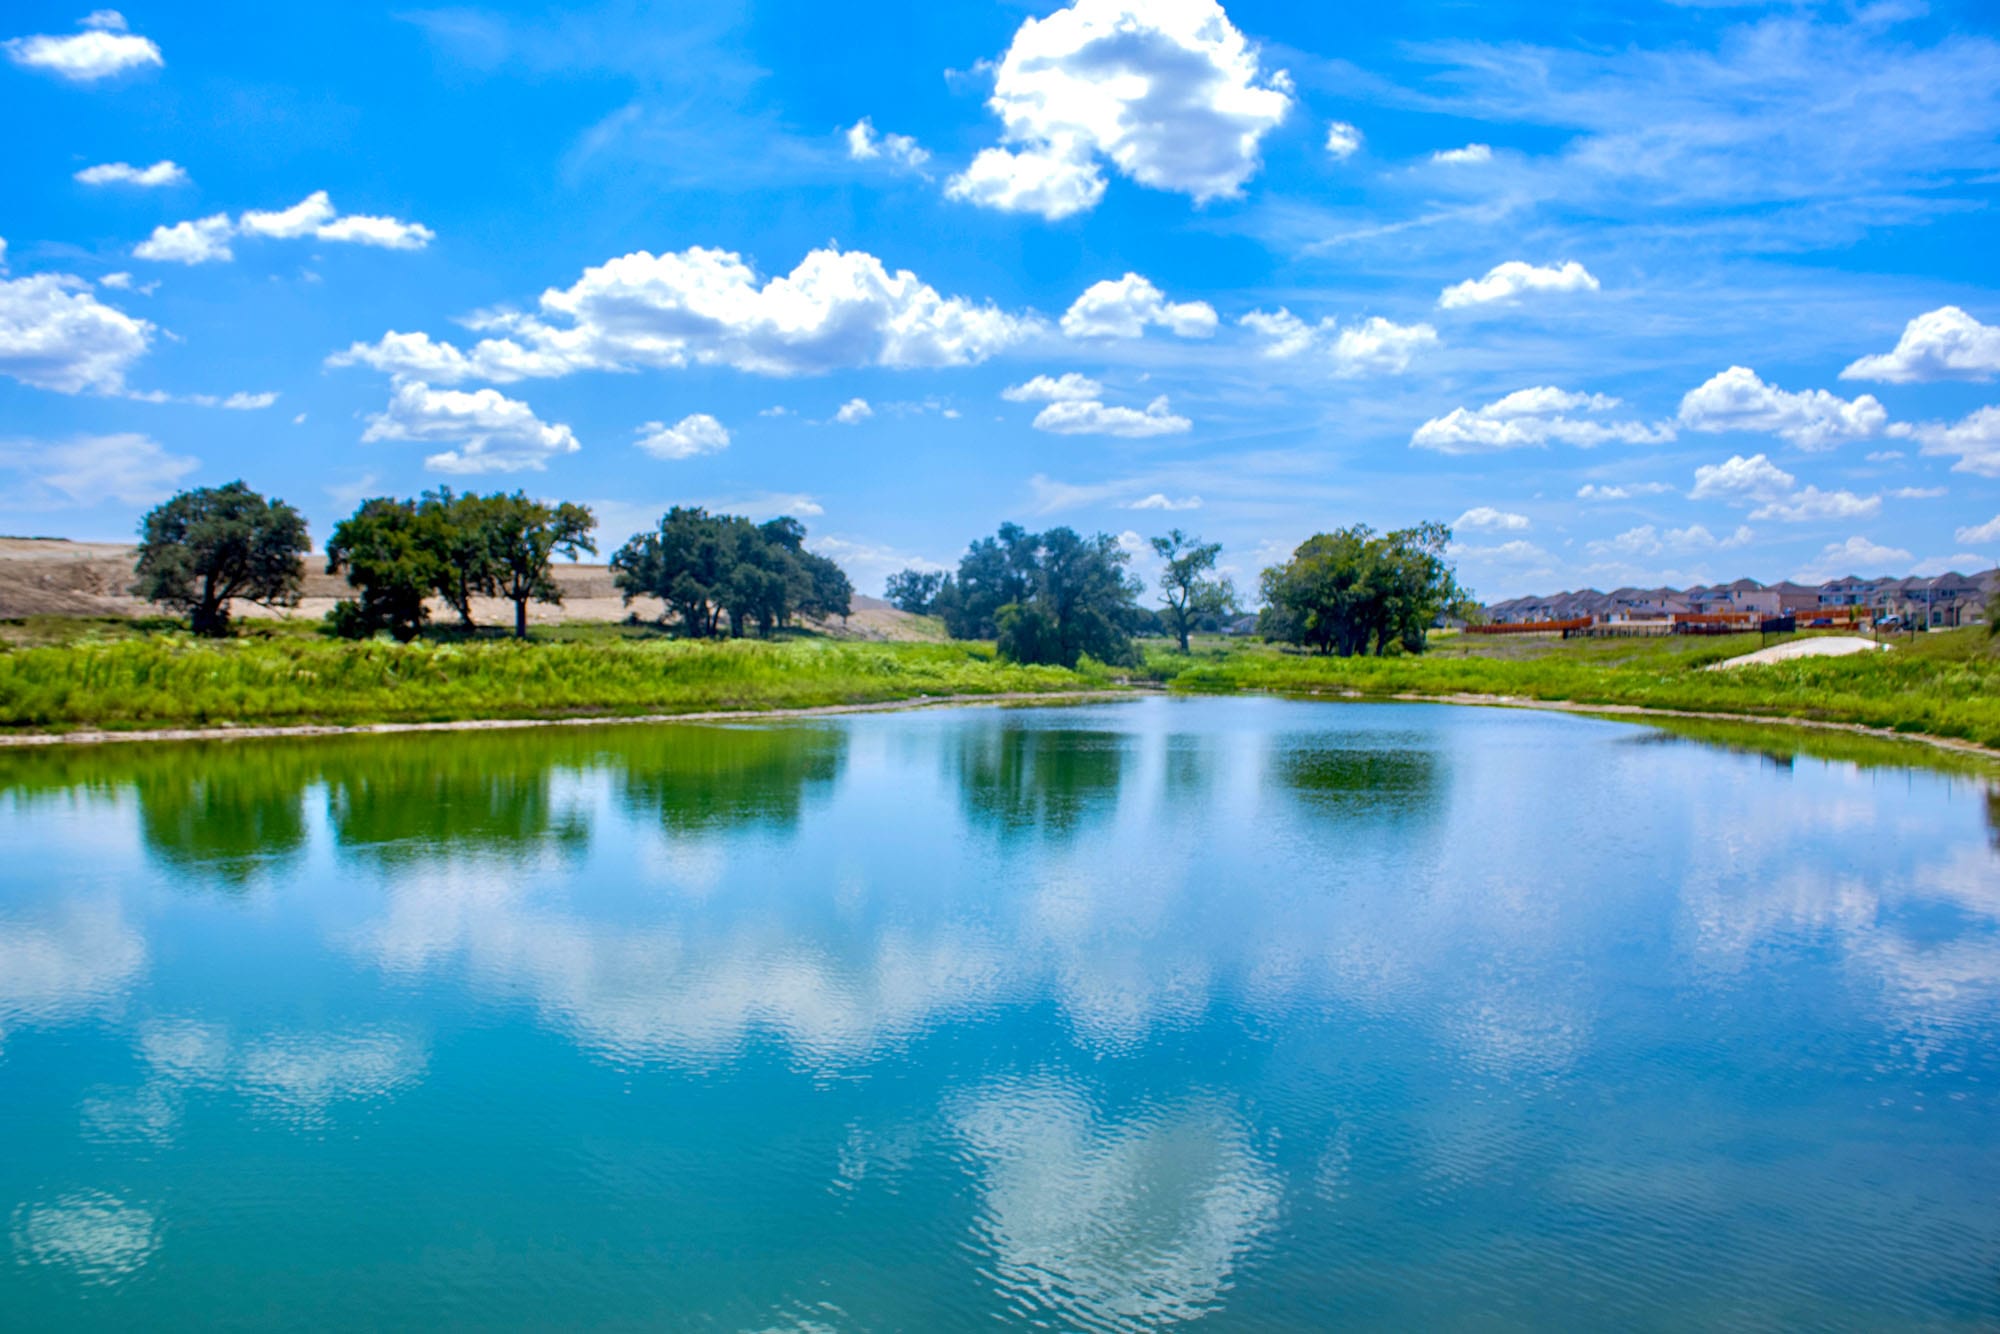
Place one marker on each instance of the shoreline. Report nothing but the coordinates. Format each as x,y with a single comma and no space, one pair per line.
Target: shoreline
24,740
281,731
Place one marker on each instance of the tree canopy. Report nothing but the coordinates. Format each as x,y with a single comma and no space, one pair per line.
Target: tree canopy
1045,597
523,539
392,552
711,567
204,548
458,547
1188,590
914,591
1354,591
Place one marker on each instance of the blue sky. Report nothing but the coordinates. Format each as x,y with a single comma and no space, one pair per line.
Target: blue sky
1663,293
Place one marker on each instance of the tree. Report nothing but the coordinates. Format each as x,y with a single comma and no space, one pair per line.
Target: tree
706,567
524,538
1355,591
994,572
1045,597
202,549
461,528
1187,593
391,551
914,591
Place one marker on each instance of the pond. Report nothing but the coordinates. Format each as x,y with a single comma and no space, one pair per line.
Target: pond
1249,1013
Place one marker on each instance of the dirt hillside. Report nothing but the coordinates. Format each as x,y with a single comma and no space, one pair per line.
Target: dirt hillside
52,577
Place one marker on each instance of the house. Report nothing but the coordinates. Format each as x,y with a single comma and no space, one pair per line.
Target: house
1794,598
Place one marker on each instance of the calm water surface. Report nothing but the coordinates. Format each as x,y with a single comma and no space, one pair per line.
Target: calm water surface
1244,1013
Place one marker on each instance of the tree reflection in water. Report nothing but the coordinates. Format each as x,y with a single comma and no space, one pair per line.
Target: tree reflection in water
1014,776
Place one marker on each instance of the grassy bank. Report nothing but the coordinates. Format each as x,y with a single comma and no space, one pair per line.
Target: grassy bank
291,678
277,674
1943,684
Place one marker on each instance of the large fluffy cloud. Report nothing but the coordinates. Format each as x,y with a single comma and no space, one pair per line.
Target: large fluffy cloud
1737,400
1942,344
492,433
1167,91
1125,307
837,309
102,49
1517,278
1531,419
206,240
55,334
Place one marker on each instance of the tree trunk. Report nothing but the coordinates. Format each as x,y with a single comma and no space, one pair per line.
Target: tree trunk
520,618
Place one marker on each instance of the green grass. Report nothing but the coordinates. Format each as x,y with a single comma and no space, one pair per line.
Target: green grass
291,678
1943,684
140,675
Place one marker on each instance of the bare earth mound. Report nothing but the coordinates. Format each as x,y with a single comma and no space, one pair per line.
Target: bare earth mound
1826,646
53,577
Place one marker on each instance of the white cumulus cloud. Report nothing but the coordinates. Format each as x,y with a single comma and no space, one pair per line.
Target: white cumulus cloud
1284,334
1125,307
1089,417
695,434
102,49
853,412
1742,480
1974,442
163,172
1812,419
1343,141
1484,518
1942,344
1646,540
208,239
1621,490
302,219
1167,91
370,229
201,241
55,334
1532,419
900,150
1159,500
1981,532
1471,153
1380,347
1811,503
1516,278
1856,556
836,310
492,433
1043,389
